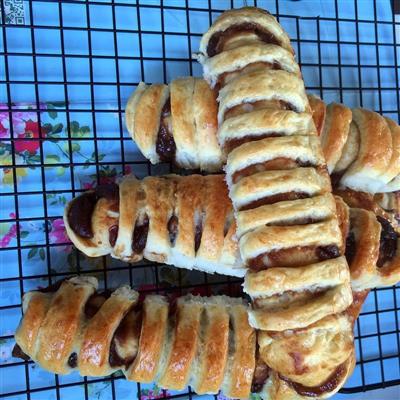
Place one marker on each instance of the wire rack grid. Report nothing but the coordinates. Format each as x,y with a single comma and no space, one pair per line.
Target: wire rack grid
66,70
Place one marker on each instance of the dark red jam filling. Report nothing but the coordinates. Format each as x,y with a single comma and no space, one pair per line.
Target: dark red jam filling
113,234
218,39
335,178
293,257
94,302
140,235
233,143
197,235
129,326
279,163
327,252
18,353
165,144
314,391
350,247
73,360
173,229
388,242
81,210
275,199
261,374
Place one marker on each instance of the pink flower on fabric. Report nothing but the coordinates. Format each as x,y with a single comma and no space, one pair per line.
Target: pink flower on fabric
6,239
18,121
58,233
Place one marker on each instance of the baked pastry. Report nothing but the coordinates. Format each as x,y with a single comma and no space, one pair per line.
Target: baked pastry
176,123
287,223
312,362
339,133
202,341
372,250
384,205
361,147
293,298
206,342
247,22
218,70
186,221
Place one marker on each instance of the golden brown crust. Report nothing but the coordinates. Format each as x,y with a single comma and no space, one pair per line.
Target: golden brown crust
335,132
130,203
35,307
238,58
366,201
264,121
393,170
183,121
213,349
303,150
269,183
279,280
93,358
160,207
275,238
61,324
343,215
205,109
184,221
207,339
364,268
309,356
374,155
246,15
241,362
300,313
152,338
316,208
216,211
318,111
263,85
142,115
176,371
366,230
103,218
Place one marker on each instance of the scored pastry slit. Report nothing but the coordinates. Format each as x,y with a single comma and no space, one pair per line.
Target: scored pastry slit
165,144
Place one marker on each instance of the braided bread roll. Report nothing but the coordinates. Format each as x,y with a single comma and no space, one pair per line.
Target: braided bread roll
186,221
202,341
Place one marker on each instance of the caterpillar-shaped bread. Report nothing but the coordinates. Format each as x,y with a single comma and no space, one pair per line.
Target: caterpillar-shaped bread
186,221
327,278
361,147
287,222
349,137
202,341
176,122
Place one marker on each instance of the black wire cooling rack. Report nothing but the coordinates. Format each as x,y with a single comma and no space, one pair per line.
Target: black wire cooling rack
80,60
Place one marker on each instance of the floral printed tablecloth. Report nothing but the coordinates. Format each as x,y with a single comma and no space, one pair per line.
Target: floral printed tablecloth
40,139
